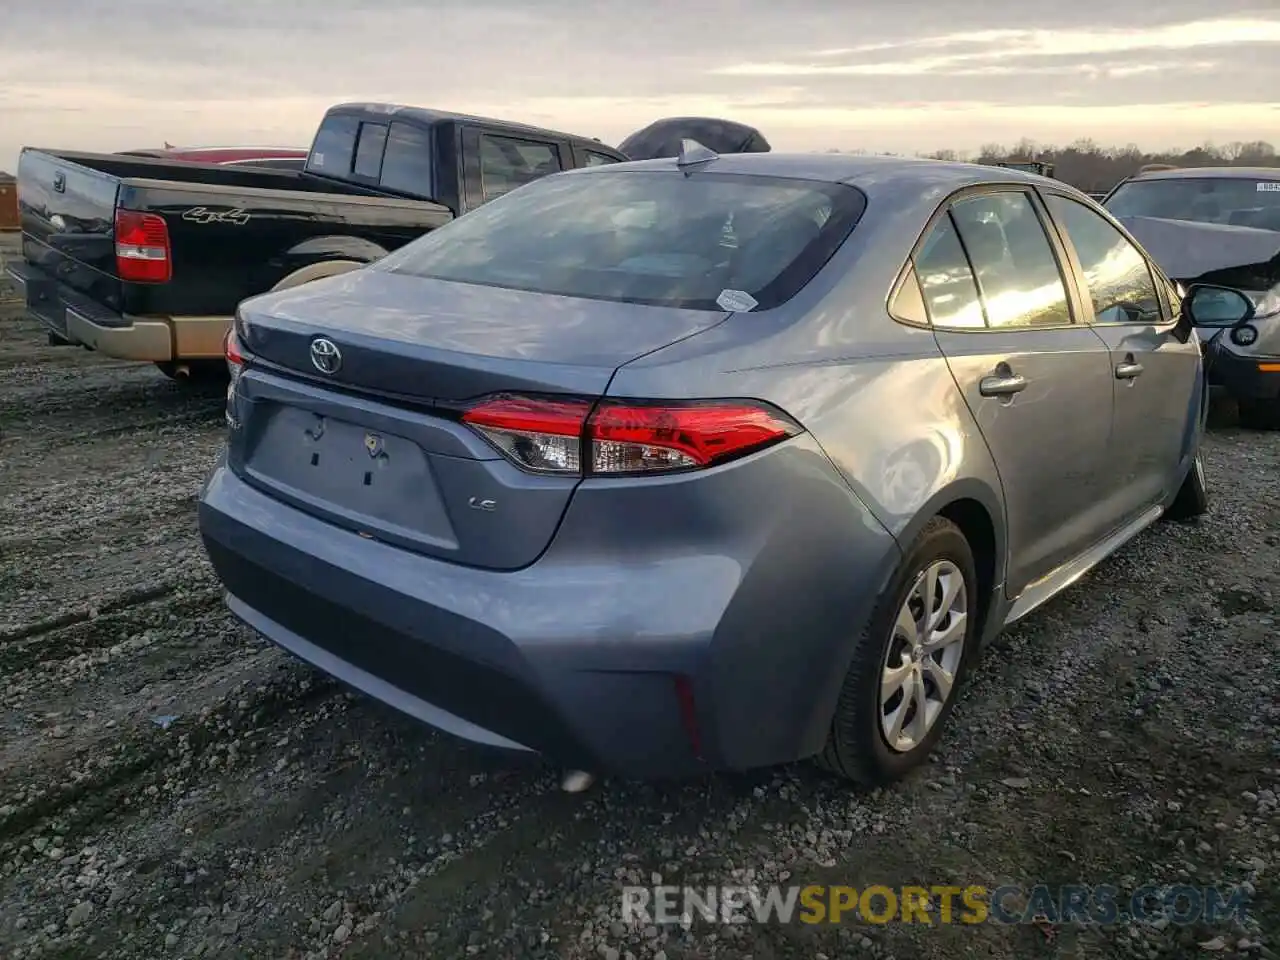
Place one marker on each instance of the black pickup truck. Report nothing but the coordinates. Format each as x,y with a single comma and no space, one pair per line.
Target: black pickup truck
146,259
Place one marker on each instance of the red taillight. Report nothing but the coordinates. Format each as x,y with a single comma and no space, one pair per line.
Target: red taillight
641,439
540,435
232,350
142,247
625,437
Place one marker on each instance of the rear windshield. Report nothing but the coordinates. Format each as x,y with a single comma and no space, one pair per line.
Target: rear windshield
642,236
333,148
1238,202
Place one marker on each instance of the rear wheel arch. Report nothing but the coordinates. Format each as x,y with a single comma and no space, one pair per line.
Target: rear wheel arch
978,511
316,271
980,530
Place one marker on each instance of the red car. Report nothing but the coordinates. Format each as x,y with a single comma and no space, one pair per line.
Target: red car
289,158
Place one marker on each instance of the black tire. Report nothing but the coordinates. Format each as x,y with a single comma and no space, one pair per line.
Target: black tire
1192,501
856,748
199,373
1259,414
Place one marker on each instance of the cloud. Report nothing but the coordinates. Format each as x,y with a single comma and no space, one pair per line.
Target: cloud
114,74
989,46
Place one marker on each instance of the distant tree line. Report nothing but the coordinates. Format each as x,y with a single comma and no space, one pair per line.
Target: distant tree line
1089,166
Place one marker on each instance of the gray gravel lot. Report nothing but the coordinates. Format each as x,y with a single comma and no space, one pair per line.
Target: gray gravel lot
173,786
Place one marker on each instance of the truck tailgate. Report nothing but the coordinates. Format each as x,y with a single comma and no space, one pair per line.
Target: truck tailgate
68,223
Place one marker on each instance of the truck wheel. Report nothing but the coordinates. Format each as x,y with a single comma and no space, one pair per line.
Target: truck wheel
1192,500
1259,414
196,373
909,663
317,271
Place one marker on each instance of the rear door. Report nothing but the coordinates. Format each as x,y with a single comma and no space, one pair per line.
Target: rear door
1037,382
1157,397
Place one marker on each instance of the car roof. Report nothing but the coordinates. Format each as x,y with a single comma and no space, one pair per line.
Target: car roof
871,174
425,115
1211,173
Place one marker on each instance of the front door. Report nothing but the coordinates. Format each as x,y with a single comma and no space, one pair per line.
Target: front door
1157,398
1037,382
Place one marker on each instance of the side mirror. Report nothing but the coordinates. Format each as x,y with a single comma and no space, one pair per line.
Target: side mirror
1209,305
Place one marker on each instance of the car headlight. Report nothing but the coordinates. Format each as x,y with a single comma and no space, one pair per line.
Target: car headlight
1267,304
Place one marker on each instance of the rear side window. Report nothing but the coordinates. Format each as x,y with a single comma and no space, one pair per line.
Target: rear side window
598,159
946,281
334,148
653,237
507,163
373,140
406,166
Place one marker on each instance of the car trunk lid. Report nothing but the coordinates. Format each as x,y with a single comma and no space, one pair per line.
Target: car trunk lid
376,445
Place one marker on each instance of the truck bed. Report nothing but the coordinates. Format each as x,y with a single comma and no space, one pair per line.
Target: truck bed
126,167
231,232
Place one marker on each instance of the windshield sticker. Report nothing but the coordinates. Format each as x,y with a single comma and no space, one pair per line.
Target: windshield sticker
737,301
1271,187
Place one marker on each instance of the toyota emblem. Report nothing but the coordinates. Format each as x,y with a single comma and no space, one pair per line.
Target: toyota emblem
325,355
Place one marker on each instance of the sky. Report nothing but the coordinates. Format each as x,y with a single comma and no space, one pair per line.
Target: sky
906,76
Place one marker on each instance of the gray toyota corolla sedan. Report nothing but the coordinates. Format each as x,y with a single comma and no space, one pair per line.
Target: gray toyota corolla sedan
708,462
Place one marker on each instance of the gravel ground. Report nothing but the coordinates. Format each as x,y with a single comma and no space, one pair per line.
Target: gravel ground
173,786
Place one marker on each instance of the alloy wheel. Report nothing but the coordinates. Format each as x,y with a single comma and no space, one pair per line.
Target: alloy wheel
924,655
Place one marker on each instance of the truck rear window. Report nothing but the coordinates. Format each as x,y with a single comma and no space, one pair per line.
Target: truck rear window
369,147
334,145
655,237
406,166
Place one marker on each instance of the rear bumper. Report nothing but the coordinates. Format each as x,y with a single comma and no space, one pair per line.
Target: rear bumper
585,659
1243,377
73,317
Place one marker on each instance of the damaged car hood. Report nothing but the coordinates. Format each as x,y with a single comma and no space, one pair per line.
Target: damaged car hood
1244,257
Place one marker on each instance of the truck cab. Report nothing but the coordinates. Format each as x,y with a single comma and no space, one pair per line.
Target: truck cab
457,160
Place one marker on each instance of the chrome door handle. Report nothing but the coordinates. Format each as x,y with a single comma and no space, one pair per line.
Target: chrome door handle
1128,370
1002,386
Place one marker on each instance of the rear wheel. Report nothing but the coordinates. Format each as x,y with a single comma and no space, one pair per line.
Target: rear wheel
1192,500
909,663
1259,414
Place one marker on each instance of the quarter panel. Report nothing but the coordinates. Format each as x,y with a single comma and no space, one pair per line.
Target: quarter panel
877,395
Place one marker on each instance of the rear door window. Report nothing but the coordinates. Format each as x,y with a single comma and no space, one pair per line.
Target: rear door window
1018,273
594,159
507,163
334,148
406,166
372,142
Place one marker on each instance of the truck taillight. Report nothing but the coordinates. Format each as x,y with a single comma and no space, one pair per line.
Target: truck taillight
577,437
235,355
142,247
